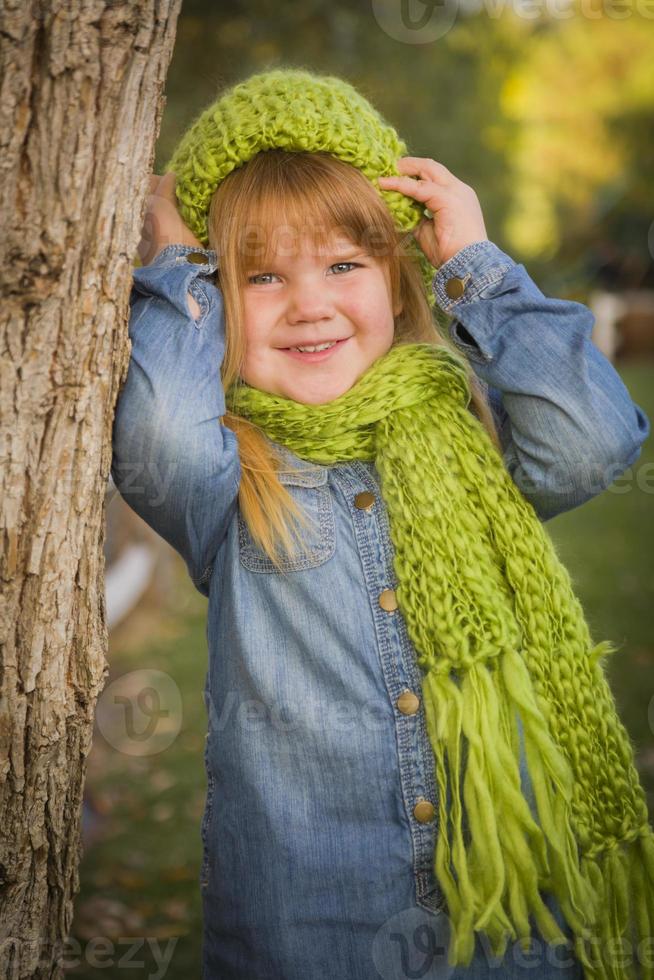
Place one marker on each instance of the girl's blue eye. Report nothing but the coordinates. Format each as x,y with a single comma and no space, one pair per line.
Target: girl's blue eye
253,279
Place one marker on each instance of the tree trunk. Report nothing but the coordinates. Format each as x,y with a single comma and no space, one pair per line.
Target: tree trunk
80,107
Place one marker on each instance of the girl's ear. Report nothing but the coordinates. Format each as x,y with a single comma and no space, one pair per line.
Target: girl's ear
398,309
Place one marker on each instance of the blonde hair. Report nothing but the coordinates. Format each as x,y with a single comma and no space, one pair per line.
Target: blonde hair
320,194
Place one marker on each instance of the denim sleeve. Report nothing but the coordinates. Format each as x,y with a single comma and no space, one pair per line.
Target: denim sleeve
173,461
566,422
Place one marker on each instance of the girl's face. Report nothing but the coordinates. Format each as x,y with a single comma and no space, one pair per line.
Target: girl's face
307,296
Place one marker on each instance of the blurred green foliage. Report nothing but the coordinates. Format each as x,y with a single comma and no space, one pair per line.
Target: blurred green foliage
550,119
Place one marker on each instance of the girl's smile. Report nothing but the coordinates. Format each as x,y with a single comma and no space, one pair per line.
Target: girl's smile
338,295
313,357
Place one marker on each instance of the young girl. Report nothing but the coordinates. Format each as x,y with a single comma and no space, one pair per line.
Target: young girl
414,760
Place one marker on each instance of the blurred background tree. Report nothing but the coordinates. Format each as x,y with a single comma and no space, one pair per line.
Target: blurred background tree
582,158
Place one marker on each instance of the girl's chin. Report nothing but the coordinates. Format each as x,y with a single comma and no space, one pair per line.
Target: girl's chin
318,395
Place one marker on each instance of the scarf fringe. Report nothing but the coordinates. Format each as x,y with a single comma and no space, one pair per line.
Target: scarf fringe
493,859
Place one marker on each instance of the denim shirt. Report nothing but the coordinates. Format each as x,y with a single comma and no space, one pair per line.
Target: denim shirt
322,805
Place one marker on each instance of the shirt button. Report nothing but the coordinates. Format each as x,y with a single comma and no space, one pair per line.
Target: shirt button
424,811
387,600
365,500
197,258
455,287
408,703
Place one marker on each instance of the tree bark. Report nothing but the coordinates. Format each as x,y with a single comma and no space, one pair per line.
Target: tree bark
80,107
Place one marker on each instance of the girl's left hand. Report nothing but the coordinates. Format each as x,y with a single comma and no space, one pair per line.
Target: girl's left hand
162,223
458,220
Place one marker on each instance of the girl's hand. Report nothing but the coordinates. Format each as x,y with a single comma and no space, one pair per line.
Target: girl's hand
162,222
458,219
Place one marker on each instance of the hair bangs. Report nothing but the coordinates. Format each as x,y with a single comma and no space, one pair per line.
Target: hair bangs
283,201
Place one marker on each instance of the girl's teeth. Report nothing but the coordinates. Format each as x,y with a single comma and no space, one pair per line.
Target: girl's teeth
319,347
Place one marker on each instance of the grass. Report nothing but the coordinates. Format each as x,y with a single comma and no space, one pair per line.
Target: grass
608,547
139,895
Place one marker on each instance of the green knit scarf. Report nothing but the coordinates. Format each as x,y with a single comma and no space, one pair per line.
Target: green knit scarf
498,629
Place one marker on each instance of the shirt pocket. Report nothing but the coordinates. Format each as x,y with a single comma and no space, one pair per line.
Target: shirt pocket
310,490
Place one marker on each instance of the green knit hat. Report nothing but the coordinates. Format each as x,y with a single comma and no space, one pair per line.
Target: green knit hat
290,109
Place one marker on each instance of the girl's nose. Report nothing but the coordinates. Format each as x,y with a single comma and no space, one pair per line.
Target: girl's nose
309,303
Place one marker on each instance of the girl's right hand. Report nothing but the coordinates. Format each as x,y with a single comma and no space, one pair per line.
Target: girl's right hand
162,222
